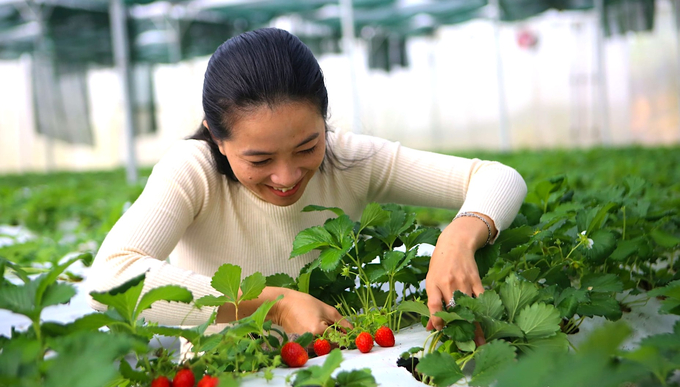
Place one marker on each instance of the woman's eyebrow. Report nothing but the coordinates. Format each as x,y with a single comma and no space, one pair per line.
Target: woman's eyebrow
254,152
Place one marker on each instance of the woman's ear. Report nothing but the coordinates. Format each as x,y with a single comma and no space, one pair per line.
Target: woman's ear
220,144
205,123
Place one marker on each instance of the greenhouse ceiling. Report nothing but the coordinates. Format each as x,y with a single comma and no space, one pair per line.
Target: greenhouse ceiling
168,31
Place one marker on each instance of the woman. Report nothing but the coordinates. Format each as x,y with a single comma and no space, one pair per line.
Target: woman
234,192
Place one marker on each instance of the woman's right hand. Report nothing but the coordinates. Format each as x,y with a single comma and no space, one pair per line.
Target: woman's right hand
299,312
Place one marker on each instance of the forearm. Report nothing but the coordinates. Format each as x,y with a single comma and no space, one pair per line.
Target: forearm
227,312
468,232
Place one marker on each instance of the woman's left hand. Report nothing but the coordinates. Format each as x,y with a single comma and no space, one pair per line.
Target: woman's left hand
453,266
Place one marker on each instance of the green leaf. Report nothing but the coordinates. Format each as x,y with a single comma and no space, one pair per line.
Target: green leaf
460,330
122,298
356,378
539,320
414,307
498,329
373,215
303,282
305,339
514,237
210,300
252,286
486,257
163,293
310,239
601,283
427,235
128,372
664,239
47,280
466,346
330,258
391,260
517,294
227,280
313,207
450,316
604,244
20,299
490,305
441,367
88,357
91,322
319,375
281,280
340,228
261,313
600,217
601,304
489,360
58,293
625,249
556,343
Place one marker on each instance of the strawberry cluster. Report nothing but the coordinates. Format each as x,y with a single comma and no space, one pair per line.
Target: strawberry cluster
185,378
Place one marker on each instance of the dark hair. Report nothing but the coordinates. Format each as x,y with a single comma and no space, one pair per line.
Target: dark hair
268,67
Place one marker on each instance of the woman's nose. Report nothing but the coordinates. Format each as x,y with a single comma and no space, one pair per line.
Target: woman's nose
286,175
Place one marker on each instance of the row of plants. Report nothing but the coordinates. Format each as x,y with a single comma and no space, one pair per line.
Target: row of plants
583,245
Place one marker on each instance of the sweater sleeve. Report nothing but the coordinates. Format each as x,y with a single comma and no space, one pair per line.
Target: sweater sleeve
149,230
389,172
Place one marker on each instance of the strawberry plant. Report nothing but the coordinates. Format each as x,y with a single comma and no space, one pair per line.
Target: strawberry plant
321,375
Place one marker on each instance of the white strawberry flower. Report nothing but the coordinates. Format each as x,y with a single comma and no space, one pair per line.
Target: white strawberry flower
587,242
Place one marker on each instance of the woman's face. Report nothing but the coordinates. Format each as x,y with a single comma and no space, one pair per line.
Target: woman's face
275,152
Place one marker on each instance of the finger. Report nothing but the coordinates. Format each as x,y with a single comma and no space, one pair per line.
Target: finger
477,288
434,304
343,322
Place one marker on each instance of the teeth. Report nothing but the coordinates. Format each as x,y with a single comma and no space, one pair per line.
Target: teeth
284,189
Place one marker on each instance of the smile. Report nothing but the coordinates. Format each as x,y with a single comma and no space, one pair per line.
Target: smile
285,191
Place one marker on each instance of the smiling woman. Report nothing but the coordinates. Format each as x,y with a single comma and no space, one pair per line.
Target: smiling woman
234,191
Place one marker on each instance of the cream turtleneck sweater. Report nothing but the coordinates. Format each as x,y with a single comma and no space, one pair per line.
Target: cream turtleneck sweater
205,220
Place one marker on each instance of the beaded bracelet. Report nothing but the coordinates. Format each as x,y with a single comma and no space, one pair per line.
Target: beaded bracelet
472,214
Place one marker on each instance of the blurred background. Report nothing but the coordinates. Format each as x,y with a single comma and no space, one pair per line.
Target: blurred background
99,84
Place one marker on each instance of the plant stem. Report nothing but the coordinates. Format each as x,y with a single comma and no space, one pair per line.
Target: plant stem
623,235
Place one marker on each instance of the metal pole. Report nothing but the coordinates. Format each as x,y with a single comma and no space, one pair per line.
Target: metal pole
502,106
121,50
347,20
603,104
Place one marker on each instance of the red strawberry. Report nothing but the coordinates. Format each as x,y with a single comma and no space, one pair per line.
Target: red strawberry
293,354
384,337
161,381
208,381
322,347
364,342
184,378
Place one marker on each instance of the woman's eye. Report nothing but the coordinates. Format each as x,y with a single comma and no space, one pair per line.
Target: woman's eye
260,163
310,150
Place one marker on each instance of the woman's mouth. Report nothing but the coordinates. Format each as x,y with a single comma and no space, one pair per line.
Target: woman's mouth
285,191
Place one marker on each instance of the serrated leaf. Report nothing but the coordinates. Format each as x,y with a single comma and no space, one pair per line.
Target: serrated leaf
373,215
516,294
427,235
163,293
601,304
664,239
91,322
601,283
340,228
128,372
625,249
490,305
281,280
460,330
313,207
441,367
356,378
260,313
226,280
210,300
604,244
466,346
391,259
310,239
330,258
539,320
319,375
449,316
303,282
486,257
556,343
498,329
58,293
415,307
489,360
252,286
122,298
